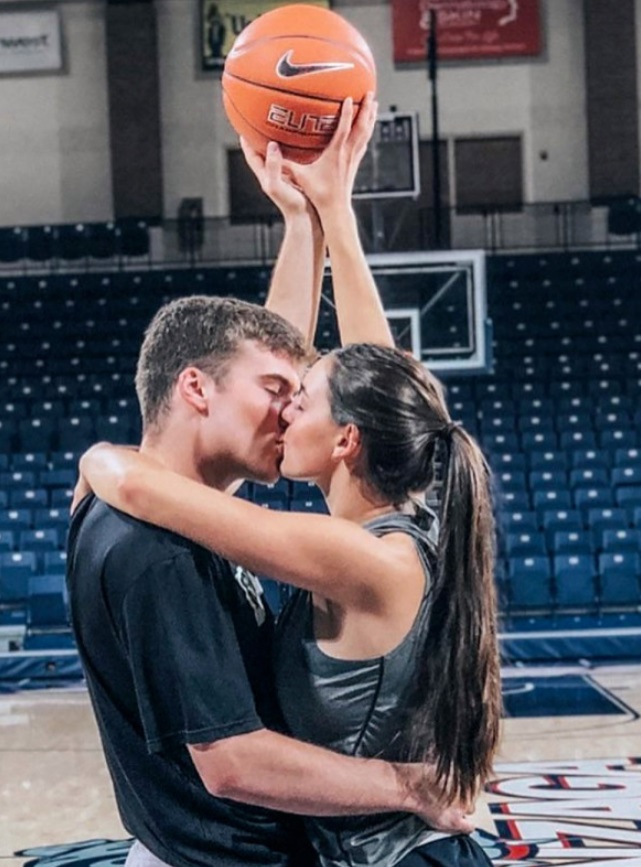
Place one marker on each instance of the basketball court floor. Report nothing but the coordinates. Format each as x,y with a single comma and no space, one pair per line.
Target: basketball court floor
567,788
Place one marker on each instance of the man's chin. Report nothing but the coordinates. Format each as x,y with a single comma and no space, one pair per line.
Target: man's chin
267,475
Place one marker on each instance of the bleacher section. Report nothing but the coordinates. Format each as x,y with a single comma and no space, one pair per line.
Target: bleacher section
559,419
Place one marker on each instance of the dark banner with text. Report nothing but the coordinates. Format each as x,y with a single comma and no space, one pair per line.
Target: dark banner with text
467,29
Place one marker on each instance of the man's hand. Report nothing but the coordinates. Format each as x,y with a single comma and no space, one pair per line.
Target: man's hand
274,182
426,800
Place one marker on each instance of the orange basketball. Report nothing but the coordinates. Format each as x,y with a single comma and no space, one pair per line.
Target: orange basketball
287,75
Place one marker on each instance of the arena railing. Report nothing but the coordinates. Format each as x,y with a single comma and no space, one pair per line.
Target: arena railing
387,225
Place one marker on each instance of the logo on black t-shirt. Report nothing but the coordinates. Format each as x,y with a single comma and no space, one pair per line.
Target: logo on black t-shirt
251,587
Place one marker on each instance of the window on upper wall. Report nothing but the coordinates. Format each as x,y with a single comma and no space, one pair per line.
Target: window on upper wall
488,173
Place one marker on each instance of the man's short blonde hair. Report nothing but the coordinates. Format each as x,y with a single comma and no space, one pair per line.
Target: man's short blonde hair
204,332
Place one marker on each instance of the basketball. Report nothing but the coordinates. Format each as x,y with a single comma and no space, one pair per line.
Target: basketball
287,75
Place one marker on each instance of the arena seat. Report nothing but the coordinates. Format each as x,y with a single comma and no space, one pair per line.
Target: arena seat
619,573
575,578
47,615
530,583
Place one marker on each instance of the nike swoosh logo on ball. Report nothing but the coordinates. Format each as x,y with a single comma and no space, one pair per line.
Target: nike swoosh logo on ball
286,69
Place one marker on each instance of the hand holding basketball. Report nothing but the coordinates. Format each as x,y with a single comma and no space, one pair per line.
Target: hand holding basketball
330,179
288,74
269,172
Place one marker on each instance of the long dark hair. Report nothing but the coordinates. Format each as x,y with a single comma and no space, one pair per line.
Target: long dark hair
400,411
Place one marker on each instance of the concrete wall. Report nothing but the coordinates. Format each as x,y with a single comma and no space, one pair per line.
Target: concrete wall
54,147
54,160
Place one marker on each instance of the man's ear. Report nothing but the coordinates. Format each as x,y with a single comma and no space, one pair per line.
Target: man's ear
194,388
349,443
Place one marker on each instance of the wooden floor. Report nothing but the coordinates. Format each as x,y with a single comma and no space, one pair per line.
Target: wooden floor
567,787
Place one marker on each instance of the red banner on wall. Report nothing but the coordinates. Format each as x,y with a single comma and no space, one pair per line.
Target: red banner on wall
467,29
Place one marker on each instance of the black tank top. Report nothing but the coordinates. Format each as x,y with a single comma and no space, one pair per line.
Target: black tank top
356,707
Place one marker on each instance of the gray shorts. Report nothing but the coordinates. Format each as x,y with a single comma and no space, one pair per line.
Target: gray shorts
139,856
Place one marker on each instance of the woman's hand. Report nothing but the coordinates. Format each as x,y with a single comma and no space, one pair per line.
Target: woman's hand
273,180
329,180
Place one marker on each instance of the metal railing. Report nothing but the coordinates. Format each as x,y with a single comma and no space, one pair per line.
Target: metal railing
391,225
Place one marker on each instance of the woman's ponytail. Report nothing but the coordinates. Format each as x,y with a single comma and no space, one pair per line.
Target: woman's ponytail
457,706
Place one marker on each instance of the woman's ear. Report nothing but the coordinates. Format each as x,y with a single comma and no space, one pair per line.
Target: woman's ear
192,387
349,443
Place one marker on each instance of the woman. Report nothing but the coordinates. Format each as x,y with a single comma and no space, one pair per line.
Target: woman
389,649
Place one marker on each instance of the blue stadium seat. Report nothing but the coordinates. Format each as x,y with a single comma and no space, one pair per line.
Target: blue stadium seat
17,480
586,477
575,580
58,478
618,439
517,501
530,585
36,434
315,505
40,243
570,440
588,459
39,540
270,499
508,461
510,481
29,498
518,522
560,520
61,498
75,433
628,498
546,441
500,442
65,460
571,542
577,421
29,462
609,420
17,563
55,562
547,480
47,615
598,520
7,540
57,519
619,573
534,423
16,519
543,461
593,497
621,540
114,429
627,457
627,475
567,388
525,544
12,244
548,500
536,406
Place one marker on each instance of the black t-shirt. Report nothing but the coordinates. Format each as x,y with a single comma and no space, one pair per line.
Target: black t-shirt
175,645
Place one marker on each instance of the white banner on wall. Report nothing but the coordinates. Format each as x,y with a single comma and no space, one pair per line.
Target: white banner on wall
30,41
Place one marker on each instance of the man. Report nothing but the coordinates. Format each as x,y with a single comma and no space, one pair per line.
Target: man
175,641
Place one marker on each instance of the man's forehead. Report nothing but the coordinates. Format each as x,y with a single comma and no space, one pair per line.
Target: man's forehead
267,362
